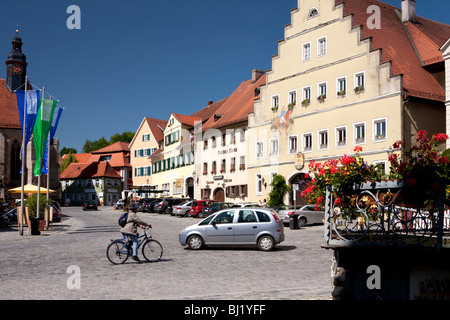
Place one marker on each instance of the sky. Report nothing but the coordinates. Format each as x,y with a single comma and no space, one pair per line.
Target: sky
147,58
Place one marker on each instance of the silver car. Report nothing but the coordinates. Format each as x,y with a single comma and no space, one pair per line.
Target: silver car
236,226
305,215
182,209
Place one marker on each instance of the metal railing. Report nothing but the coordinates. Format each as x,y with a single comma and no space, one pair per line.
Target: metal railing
384,214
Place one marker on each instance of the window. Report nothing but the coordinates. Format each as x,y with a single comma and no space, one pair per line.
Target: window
313,13
242,163
274,147
275,102
307,51
259,149
379,127
224,217
292,98
262,217
323,139
341,137
322,46
307,142
306,96
359,82
246,216
145,137
214,168
258,184
360,133
292,144
223,166
322,90
205,168
233,164
213,142
341,85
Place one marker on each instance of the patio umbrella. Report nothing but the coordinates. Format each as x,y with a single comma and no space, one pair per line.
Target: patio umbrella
29,189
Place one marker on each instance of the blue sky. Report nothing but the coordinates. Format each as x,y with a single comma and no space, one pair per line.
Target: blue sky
146,58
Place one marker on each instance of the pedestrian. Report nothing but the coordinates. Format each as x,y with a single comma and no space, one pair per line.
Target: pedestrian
130,229
264,203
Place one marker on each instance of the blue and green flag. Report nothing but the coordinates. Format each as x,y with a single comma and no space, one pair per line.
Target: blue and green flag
41,129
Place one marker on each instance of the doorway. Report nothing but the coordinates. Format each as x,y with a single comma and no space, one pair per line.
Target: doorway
219,195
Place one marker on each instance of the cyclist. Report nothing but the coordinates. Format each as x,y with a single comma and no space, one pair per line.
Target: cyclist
130,229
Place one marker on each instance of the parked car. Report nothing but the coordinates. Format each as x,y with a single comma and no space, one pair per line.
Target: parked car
305,215
236,226
12,214
144,204
214,208
167,203
89,205
151,206
246,205
119,204
183,209
199,205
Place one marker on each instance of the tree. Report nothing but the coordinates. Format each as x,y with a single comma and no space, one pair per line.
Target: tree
279,189
68,160
65,150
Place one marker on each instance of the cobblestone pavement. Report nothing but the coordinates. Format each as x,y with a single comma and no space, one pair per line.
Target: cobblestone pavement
38,267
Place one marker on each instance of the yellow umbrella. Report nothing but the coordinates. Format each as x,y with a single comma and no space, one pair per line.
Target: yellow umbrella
29,189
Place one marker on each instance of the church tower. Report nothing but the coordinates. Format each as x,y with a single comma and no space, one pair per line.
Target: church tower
16,66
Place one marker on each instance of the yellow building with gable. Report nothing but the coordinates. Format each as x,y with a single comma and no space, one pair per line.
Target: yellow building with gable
338,82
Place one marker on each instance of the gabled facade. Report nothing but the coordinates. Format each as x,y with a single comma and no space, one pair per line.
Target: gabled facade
337,85
221,148
146,141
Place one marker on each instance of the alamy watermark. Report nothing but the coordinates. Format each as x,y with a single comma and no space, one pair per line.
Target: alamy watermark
374,280
74,20
74,280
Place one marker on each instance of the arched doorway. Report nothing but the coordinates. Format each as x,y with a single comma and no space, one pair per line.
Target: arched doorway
219,195
190,187
298,184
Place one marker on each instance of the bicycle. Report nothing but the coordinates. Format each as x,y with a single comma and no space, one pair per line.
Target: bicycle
119,250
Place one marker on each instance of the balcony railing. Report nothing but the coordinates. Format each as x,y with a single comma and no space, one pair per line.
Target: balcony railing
382,213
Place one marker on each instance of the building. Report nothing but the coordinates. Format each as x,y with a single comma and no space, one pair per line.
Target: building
147,140
96,181
101,175
221,148
344,79
173,169
11,133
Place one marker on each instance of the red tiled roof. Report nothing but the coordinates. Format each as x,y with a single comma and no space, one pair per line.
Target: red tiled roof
118,146
237,107
396,46
209,110
8,108
91,170
427,49
157,127
187,120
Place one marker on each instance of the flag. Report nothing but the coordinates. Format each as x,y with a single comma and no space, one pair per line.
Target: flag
41,129
31,110
54,126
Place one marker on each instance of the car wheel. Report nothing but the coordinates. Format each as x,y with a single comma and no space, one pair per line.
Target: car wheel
301,222
200,215
266,243
195,242
188,213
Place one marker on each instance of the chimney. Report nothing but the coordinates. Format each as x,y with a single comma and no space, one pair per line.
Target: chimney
256,74
210,102
408,11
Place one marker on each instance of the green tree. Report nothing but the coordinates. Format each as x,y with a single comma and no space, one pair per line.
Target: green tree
68,160
279,189
65,150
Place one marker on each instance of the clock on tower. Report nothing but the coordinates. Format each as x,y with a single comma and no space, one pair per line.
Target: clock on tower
16,66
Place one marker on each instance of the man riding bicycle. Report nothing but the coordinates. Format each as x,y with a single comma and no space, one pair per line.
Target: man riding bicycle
130,229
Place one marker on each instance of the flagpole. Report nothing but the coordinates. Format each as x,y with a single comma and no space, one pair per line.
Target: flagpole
24,148
39,176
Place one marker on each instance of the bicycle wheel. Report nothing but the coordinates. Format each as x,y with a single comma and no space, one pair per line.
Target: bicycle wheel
152,250
117,251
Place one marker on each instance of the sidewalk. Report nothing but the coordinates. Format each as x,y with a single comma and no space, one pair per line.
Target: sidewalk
7,235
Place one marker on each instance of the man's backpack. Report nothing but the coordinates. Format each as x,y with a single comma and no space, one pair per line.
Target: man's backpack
123,219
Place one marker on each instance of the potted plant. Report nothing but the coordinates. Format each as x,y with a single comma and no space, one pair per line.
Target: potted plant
341,93
359,89
291,105
37,223
306,102
322,97
274,109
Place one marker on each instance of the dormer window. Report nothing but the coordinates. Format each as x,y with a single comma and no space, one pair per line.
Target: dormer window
313,13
